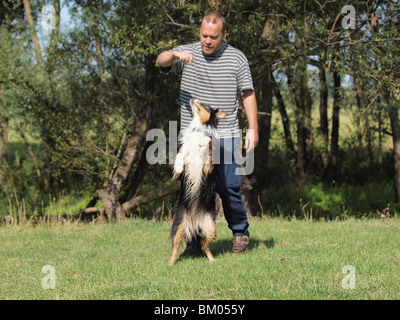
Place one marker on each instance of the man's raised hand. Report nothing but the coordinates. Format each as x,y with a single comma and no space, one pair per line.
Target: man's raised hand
183,56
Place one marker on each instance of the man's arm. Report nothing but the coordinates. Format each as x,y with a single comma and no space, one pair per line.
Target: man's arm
166,58
250,107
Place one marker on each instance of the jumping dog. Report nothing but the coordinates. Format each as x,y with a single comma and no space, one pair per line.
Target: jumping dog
194,212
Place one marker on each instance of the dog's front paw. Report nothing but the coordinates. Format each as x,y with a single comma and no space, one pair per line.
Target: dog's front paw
179,163
178,166
175,176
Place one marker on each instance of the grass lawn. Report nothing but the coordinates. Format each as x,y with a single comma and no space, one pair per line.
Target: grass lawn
287,259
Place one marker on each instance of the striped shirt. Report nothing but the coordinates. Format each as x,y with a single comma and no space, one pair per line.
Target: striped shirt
215,80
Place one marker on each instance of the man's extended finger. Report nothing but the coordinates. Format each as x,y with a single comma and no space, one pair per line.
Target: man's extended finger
248,144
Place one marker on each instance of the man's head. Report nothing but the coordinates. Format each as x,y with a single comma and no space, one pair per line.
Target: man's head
212,33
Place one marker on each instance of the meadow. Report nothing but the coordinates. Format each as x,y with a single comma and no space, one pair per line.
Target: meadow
288,259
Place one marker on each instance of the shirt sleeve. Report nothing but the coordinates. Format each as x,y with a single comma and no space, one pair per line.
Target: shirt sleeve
245,81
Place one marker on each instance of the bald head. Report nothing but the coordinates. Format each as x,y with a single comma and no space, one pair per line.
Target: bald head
215,18
212,33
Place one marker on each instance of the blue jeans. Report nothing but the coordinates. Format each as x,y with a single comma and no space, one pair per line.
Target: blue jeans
228,188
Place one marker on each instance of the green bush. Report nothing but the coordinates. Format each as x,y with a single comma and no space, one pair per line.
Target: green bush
322,202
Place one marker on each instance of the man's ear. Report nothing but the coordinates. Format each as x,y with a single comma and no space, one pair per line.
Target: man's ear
224,35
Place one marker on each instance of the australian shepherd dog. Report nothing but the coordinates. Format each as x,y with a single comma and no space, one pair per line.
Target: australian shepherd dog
194,212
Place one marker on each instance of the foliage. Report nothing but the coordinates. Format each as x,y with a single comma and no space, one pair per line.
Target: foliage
69,119
318,201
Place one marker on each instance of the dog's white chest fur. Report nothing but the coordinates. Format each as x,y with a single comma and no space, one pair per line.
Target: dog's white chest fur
191,158
194,154
196,146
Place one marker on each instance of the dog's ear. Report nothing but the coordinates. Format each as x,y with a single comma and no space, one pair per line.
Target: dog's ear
206,106
220,114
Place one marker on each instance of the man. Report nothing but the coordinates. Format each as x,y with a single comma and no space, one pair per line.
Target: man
214,73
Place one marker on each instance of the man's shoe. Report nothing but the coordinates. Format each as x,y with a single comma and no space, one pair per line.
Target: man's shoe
240,244
192,251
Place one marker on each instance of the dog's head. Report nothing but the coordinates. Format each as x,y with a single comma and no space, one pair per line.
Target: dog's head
206,114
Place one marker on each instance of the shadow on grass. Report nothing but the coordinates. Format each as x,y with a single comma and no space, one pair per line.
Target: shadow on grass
223,246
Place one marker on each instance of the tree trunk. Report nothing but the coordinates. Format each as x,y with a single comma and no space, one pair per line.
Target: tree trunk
97,6
331,171
303,103
57,8
110,194
138,176
362,102
35,39
369,138
52,58
3,140
358,124
54,32
380,137
3,148
4,120
285,122
394,122
253,184
32,154
323,113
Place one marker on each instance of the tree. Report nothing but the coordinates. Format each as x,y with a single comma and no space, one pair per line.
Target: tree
148,41
88,96
387,76
8,12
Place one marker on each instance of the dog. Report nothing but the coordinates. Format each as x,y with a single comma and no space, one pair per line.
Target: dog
194,213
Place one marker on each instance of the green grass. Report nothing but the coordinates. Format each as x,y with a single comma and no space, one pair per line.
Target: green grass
287,259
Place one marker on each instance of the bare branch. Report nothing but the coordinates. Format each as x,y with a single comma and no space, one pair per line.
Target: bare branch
183,26
150,196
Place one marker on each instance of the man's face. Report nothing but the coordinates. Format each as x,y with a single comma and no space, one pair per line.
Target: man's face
211,37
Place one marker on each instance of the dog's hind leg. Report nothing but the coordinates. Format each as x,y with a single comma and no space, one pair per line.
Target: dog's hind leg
209,239
177,239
